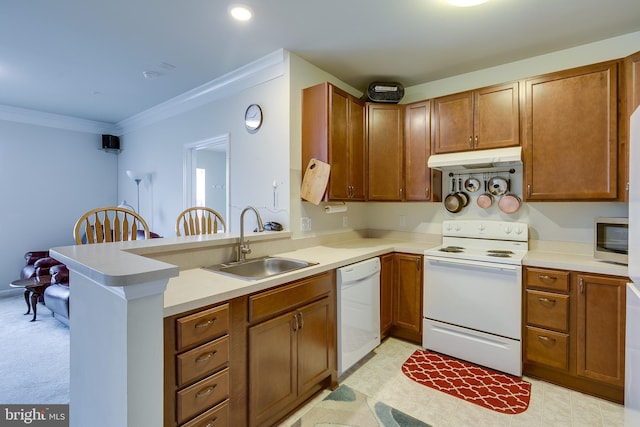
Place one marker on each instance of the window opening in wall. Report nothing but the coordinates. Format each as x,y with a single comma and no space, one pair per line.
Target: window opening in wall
201,186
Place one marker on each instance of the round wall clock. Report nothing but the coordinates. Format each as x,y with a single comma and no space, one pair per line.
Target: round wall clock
253,118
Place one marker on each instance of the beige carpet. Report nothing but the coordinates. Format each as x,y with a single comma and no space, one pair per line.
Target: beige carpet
346,407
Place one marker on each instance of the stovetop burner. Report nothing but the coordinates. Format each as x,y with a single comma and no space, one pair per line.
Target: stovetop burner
479,240
498,253
452,249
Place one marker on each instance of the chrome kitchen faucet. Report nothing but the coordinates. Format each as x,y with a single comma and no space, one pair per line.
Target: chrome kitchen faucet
243,247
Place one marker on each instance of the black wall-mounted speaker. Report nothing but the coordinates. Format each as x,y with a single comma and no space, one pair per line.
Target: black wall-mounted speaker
110,142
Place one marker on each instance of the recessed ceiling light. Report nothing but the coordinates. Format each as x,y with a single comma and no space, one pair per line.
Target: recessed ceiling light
150,74
240,12
465,3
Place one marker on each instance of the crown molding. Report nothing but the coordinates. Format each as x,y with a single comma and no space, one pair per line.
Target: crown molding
57,121
257,72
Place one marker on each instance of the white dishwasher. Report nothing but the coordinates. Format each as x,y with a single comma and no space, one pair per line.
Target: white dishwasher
358,298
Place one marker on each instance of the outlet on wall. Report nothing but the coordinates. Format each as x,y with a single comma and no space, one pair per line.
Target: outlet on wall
345,221
305,223
403,221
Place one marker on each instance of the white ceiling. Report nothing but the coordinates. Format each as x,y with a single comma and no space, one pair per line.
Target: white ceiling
85,58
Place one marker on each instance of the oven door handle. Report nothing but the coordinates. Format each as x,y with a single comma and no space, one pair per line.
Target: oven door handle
472,263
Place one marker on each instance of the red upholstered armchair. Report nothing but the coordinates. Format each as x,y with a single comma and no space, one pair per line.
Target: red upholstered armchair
38,264
56,295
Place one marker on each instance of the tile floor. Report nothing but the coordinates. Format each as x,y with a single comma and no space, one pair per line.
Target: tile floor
379,376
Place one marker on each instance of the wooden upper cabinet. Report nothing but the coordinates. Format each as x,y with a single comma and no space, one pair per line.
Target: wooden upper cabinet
570,142
632,100
420,182
477,120
333,131
385,125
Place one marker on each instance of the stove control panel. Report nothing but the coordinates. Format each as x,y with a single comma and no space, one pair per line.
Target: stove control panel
485,229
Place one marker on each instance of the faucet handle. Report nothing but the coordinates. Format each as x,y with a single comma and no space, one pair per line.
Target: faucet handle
245,248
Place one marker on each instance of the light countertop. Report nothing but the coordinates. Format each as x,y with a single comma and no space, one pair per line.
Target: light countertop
127,263
197,287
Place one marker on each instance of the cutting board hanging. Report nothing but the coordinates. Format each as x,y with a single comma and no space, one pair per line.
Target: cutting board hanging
314,181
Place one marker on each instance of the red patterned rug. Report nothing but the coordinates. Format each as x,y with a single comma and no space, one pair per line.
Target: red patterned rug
493,390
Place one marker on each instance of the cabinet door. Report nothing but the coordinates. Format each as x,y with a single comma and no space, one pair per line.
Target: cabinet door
339,136
407,310
632,85
386,293
272,367
570,142
385,151
497,117
357,143
417,149
453,123
314,335
600,328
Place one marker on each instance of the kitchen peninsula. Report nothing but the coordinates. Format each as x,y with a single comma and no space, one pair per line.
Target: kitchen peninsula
123,291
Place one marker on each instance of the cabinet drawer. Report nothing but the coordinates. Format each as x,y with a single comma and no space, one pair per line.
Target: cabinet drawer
556,280
202,361
202,395
547,347
270,303
548,310
218,417
202,326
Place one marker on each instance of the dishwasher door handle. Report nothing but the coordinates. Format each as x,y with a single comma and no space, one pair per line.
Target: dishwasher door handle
349,283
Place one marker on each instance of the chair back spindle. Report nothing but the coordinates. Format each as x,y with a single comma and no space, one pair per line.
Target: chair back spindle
199,220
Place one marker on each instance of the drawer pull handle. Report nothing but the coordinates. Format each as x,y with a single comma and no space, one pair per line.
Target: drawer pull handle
546,339
206,392
212,422
206,324
206,356
545,277
546,300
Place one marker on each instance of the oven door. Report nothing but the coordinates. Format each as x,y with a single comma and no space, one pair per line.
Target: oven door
478,295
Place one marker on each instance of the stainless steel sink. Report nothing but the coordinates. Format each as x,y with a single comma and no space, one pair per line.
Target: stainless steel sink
259,268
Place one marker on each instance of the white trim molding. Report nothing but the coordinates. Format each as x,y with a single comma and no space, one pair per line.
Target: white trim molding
257,72
56,121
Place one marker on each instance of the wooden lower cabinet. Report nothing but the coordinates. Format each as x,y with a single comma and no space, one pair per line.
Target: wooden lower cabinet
600,328
574,330
386,294
401,279
202,382
292,346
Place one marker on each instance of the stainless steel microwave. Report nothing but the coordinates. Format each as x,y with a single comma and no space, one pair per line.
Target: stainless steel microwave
611,239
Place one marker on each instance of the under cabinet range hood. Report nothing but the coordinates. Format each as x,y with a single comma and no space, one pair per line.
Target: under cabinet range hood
477,159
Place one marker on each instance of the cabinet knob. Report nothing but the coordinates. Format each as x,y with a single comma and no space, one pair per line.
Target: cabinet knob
528,190
545,277
475,144
426,193
470,141
581,283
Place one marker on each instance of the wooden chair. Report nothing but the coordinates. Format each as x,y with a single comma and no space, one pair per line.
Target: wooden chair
109,224
199,220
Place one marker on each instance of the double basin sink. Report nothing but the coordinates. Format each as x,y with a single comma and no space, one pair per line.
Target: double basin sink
259,268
